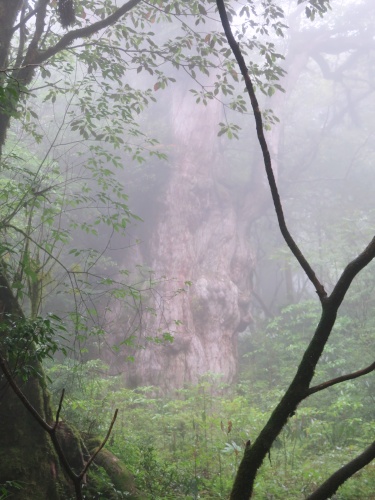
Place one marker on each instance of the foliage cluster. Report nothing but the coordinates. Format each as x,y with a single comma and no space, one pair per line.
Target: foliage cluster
26,343
189,445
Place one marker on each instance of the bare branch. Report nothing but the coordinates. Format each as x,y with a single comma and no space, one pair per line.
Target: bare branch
51,430
350,272
299,388
343,378
25,19
19,68
94,455
59,409
266,155
331,485
39,25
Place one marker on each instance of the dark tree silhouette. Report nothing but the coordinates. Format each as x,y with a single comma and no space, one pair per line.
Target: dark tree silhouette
300,388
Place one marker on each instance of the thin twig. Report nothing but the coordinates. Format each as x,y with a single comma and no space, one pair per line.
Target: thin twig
59,409
94,455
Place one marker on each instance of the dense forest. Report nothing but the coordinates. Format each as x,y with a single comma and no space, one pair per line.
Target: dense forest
187,235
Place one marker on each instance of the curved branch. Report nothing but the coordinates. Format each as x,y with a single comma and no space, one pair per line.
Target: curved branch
331,485
343,378
350,272
266,155
87,31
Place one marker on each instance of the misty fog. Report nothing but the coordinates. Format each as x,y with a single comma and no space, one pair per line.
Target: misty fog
136,210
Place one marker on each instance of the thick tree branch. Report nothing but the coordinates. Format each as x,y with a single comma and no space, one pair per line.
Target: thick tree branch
24,20
87,31
331,485
343,378
296,392
39,25
351,271
266,155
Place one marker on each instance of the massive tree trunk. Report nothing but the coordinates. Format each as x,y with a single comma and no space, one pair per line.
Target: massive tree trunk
199,237
201,231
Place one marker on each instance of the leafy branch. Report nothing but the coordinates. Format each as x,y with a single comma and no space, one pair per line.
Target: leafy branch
87,31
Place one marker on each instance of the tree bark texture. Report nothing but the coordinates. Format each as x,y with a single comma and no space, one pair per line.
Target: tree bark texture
198,236
26,453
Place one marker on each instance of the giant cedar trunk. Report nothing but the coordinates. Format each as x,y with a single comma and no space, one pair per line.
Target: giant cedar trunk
201,234
198,236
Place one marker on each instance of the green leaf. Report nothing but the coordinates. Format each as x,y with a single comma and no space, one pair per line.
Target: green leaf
202,10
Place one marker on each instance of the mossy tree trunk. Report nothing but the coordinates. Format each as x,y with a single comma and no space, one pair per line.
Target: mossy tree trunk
27,456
